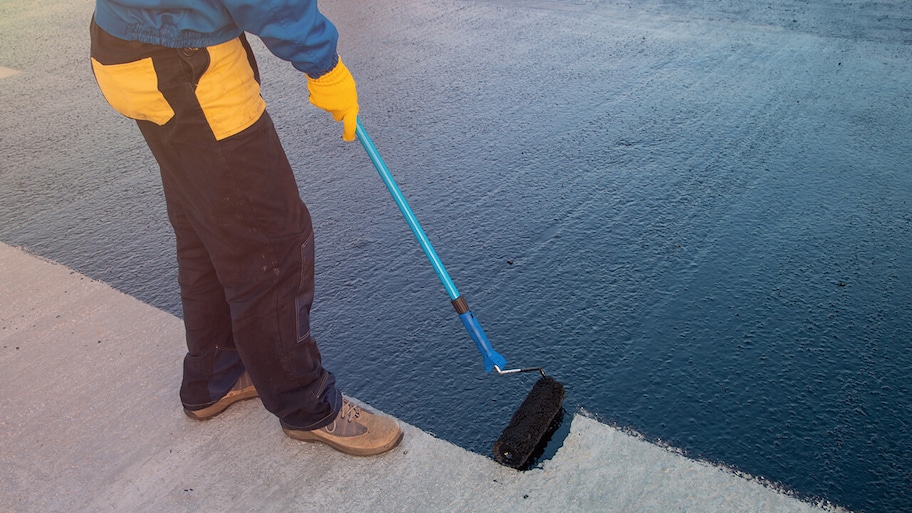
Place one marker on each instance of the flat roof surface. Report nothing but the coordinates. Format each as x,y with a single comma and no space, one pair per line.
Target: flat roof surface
91,421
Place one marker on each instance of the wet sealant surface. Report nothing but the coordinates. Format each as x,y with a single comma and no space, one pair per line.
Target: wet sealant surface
695,215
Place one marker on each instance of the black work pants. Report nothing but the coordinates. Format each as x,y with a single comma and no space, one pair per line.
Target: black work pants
245,248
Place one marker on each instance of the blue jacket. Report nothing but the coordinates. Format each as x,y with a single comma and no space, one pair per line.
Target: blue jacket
293,30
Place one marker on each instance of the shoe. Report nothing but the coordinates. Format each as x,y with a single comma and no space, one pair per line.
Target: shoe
355,430
241,390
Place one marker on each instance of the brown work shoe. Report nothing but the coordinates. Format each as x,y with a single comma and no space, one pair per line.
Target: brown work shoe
355,430
241,390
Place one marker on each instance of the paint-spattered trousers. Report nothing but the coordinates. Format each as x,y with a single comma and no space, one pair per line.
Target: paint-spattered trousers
244,237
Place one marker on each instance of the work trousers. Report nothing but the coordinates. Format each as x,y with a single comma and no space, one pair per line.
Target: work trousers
245,248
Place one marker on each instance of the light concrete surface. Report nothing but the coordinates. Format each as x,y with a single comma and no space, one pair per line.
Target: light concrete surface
90,421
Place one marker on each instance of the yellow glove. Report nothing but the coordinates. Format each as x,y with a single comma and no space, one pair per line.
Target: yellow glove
335,93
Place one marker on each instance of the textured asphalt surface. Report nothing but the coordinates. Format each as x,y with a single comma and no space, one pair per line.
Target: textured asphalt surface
89,421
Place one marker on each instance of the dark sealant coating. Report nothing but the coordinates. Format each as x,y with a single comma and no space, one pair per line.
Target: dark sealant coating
695,215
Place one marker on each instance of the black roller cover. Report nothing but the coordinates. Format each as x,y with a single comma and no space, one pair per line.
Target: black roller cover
530,422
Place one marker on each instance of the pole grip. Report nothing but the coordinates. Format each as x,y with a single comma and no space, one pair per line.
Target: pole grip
491,357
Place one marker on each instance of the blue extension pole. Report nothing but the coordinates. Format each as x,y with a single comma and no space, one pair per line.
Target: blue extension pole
491,357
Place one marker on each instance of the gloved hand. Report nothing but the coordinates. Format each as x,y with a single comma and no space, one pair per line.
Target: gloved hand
335,93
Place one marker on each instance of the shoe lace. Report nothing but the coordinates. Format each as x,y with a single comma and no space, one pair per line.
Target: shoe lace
349,411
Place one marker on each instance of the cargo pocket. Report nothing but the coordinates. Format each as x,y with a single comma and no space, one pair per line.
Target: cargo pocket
228,92
132,89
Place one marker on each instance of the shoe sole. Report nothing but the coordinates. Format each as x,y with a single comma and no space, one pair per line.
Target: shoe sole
313,436
221,405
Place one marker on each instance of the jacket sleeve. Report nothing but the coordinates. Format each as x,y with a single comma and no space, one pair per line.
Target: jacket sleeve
294,30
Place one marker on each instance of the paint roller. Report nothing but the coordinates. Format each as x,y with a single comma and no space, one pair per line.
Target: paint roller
535,415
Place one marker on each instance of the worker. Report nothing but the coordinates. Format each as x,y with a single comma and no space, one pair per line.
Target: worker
184,70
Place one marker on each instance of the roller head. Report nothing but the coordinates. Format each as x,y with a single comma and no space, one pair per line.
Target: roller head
530,423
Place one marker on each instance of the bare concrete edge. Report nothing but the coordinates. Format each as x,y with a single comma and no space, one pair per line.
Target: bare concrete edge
93,424
778,488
